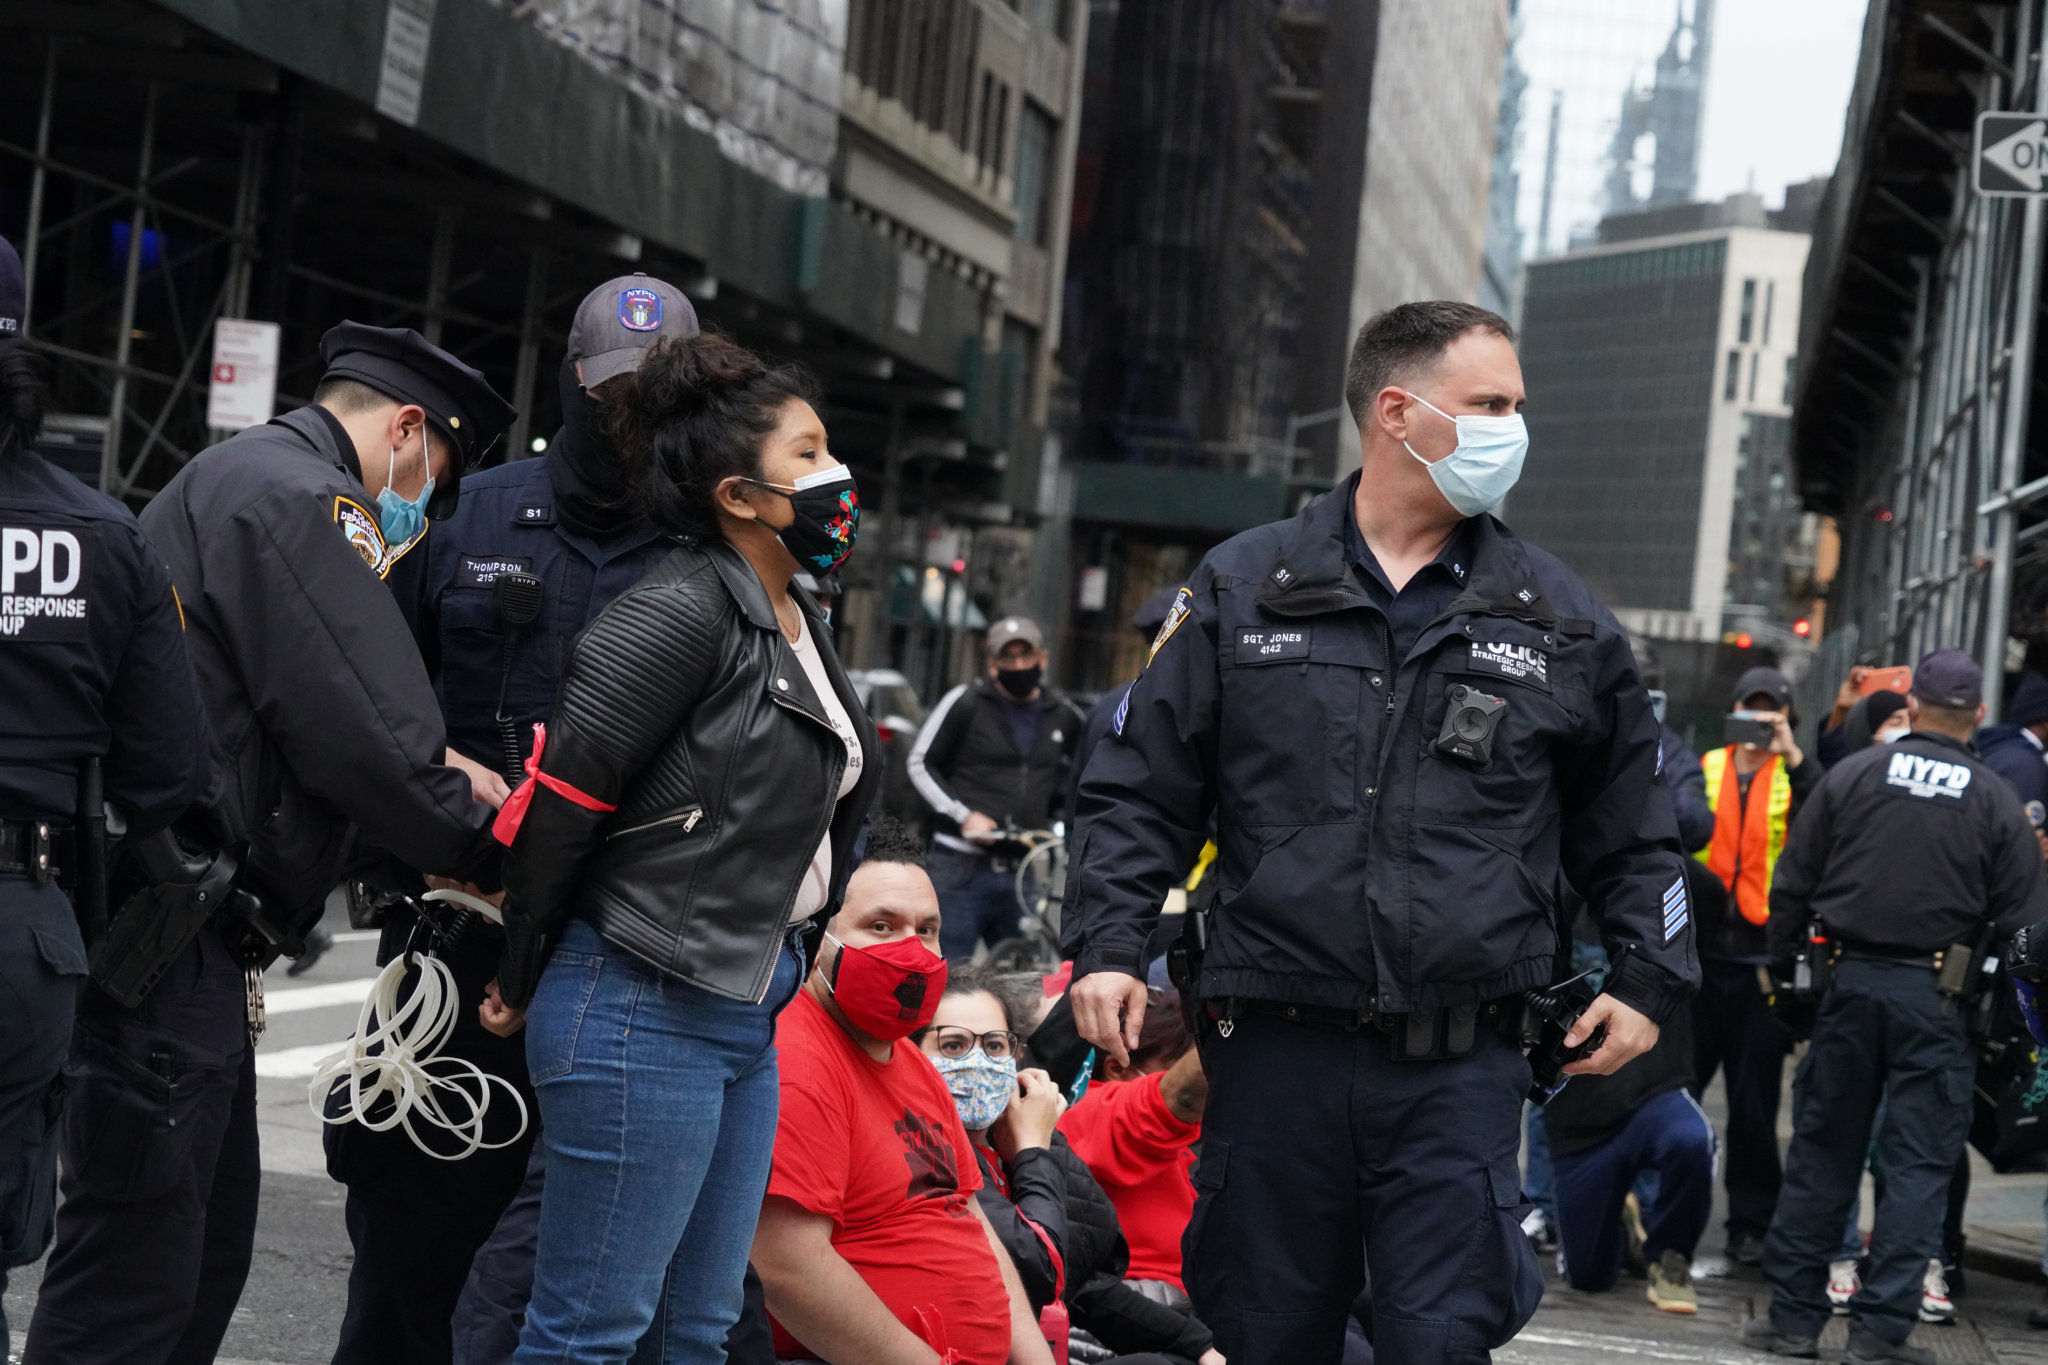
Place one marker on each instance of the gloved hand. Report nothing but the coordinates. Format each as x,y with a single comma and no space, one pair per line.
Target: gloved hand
1793,1011
2023,991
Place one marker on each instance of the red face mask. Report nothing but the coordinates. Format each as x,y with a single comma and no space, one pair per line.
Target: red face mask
890,991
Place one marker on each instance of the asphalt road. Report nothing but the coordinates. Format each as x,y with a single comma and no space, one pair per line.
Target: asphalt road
291,1311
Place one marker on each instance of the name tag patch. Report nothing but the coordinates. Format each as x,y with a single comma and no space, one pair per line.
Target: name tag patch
44,587
478,572
1270,646
1522,663
1927,777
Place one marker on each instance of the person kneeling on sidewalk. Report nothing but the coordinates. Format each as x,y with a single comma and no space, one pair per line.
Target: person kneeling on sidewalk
1606,1133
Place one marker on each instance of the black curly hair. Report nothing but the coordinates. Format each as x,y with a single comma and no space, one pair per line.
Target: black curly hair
892,841
693,415
22,398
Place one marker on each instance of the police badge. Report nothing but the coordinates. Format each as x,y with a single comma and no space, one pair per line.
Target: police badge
362,533
640,310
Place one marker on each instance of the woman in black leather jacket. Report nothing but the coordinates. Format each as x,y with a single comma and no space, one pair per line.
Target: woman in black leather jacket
691,820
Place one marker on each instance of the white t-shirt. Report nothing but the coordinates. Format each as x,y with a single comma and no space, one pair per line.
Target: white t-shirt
817,882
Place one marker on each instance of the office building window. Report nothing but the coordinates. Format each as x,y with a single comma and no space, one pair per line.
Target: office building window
1754,357
1770,298
1791,378
1733,385
1748,319
1035,134
1048,14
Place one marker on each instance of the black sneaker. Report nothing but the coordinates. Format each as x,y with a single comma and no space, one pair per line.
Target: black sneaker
1760,1335
1867,1348
1746,1248
317,943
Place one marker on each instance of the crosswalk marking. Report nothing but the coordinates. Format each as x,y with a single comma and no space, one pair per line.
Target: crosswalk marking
292,999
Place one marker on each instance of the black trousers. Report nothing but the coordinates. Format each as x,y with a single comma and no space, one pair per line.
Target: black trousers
42,963
1320,1155
1732,1031
161,1173
1883,1032
415,1221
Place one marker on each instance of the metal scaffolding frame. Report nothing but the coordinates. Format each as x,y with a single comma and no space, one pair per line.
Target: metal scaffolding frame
1929,555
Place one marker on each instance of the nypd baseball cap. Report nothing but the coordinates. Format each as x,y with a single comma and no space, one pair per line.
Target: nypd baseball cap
620,319
13,292
1765,682
1950,678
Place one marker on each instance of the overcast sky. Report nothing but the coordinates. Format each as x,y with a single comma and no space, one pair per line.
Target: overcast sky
1777,89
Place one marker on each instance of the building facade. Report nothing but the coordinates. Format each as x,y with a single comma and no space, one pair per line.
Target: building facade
1660,371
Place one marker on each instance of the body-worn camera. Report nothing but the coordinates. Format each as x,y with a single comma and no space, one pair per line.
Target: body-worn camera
1471,720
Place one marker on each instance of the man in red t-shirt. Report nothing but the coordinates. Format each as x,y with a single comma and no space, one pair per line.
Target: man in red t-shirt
871,1246
1136,1130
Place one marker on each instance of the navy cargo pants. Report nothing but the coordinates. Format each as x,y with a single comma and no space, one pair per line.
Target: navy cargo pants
1320,1156
1884,1032
42,963
161,1173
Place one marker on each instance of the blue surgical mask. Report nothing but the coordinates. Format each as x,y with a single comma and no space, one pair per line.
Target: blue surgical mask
402,522
1476,476
981,1087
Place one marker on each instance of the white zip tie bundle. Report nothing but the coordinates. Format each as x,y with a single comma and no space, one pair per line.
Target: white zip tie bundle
392,1053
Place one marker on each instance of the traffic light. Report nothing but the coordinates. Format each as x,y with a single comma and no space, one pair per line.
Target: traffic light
1743,640
1802,627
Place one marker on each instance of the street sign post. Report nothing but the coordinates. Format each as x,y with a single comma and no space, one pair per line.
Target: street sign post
2011,157
244,388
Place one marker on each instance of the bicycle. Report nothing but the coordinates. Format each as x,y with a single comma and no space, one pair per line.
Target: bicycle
1039,884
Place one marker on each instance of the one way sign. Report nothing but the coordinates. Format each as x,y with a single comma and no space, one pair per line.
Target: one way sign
2012,155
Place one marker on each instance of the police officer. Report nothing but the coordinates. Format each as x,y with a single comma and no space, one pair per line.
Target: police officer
1902,859
92,667
324,731
562,531
1411,727
2016,751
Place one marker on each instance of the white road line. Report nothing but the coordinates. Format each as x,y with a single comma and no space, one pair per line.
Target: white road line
1634,1347
292,999
358,935
294,1063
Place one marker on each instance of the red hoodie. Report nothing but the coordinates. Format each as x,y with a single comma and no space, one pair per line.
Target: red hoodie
1141,1155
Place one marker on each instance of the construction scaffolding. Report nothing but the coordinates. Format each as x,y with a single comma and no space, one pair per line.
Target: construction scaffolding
1916,410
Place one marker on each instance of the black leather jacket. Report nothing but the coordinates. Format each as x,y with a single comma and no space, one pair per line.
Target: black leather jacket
683,706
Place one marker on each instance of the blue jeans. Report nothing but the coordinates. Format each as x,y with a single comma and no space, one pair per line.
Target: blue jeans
1668,1136
978,903
658,1103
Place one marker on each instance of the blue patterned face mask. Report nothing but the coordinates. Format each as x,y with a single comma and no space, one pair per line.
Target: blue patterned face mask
981,1087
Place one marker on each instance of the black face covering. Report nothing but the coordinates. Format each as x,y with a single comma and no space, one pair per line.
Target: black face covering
590,486
1019,682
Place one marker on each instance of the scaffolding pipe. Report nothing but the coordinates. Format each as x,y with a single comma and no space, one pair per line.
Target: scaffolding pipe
529,352
35,185
2013,449
124,339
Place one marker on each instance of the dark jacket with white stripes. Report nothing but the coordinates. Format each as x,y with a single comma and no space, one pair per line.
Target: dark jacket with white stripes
965,759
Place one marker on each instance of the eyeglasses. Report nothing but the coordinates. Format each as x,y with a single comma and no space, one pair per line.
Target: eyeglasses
950,1041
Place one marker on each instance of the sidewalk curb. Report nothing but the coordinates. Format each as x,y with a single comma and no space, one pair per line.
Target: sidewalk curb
2005,1264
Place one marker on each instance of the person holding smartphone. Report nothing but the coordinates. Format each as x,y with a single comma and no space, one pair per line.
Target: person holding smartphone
1756,783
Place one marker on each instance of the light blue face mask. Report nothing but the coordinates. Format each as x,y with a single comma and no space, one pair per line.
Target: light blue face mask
1476,476
403,522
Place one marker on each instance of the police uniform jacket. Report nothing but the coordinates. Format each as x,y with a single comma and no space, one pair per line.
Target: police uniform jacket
320,712
92,655
1359,867
1908,847
2016,756
507,522
688,778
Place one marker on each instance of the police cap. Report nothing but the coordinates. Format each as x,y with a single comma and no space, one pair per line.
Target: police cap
620,320
1949,678
400,363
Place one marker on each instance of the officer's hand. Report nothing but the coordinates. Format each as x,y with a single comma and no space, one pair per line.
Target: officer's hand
1629,1034
484,784
1109,1011
497,1016
1782,742
975,824
1034,1112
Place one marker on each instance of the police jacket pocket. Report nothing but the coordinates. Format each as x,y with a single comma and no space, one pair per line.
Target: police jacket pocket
1294,732
132,1125
1522,723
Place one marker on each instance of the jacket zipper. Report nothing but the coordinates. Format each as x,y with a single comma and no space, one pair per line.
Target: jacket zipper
686,818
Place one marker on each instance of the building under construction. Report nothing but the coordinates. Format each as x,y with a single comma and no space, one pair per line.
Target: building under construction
1918,407
877,189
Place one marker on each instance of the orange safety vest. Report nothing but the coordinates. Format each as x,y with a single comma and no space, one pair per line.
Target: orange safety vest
1748,836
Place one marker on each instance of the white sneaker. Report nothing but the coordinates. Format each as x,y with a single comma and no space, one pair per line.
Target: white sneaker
1934,1304
1842,1285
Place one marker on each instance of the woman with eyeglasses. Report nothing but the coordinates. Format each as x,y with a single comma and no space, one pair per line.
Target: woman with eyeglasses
1049,1213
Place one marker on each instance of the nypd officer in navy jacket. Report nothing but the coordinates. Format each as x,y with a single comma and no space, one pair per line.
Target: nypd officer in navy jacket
92,665
324,735
1904,851
564,521
1410,727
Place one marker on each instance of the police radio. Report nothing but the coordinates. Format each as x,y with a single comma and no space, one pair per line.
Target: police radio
519,600
1471,719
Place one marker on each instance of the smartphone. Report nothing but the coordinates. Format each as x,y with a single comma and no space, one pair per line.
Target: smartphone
1898,680
1744,728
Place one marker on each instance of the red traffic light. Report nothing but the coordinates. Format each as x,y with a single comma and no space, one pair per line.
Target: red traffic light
1881,514
1802,627
959,566
1743,641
